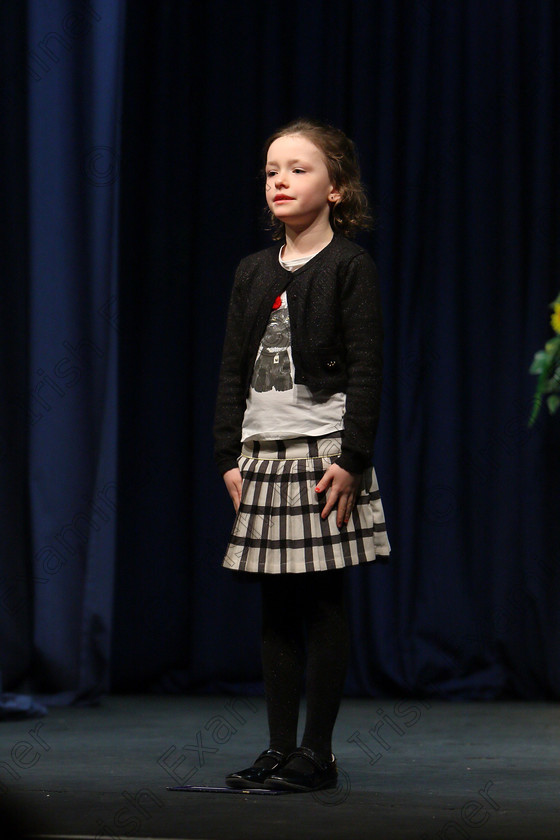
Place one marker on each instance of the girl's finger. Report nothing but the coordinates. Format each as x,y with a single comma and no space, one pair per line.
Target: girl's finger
341,510
330,503
349,508
324,482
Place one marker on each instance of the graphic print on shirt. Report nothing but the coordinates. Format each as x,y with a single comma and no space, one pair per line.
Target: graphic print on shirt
272,366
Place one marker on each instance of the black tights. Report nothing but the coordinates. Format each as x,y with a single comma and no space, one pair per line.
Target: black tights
296,606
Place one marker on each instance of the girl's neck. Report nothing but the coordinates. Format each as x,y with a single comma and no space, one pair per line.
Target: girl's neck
305,243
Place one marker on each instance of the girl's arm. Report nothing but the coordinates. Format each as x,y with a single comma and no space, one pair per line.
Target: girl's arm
362,333
230,400
362,336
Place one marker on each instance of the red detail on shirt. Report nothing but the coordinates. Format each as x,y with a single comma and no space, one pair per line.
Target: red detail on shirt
277,303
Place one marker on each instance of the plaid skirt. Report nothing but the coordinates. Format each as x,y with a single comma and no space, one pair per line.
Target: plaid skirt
278,527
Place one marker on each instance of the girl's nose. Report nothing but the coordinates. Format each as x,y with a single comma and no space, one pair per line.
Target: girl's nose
280,180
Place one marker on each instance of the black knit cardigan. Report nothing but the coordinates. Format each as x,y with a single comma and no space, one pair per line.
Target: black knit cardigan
336,335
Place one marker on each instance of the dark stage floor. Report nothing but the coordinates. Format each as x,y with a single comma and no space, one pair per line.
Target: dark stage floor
408,770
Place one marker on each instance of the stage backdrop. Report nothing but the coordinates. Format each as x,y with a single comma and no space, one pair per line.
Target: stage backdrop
130,192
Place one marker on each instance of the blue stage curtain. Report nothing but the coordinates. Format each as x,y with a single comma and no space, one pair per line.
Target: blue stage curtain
111,578
452,108
73,63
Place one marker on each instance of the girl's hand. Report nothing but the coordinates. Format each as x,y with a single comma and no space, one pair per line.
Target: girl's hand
344,490
233,483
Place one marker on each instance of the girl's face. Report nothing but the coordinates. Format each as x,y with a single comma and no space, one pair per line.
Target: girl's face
298,187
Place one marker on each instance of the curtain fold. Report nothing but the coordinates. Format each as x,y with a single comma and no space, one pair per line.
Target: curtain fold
73,89
15,587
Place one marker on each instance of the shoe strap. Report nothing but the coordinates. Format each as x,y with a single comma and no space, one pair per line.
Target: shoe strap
272,753
313,757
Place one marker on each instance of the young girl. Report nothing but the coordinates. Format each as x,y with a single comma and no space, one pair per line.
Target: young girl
296,416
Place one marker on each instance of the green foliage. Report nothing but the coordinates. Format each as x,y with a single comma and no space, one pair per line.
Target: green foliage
546,365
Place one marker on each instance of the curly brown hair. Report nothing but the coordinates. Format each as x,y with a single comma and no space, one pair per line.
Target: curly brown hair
352,212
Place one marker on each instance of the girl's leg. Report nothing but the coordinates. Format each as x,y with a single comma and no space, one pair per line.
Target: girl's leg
327,656
283,657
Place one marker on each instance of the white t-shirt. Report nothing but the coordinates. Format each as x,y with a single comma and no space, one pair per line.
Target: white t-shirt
277,408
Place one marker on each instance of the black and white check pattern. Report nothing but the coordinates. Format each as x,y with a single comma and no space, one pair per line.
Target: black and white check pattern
278,527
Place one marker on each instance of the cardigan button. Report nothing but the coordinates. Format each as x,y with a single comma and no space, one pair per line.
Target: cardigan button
331,363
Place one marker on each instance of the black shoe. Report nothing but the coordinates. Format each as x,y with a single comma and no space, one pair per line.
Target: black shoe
255,777
321,774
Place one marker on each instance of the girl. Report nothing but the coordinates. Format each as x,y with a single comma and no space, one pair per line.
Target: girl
296,416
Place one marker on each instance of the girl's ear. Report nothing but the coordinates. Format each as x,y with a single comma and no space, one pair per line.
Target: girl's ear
334,196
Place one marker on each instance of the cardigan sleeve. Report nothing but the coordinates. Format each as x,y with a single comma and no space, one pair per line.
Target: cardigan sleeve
362,328
230,400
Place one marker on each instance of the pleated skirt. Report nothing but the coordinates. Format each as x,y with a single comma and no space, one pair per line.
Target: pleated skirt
278,527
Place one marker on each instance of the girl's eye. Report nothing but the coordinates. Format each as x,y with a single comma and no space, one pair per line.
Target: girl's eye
299,170
270,173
